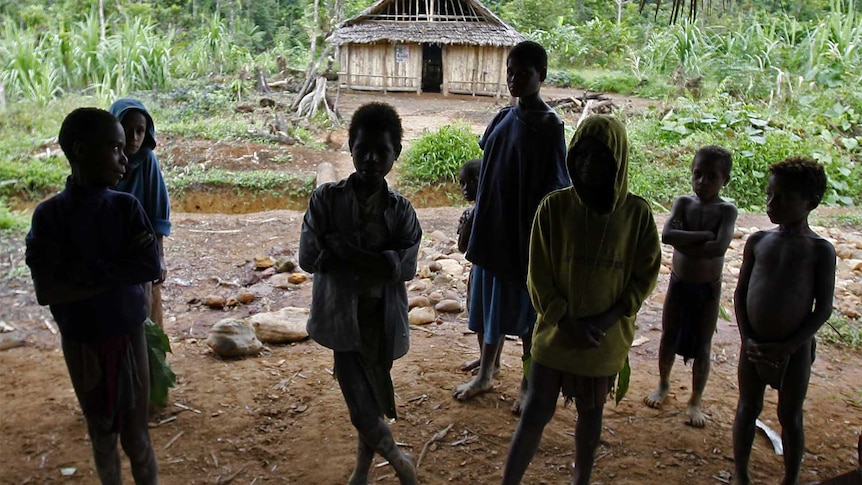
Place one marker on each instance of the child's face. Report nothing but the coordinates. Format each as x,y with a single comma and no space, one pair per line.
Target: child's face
522,78
101,161
784,203
595,168
707,178
135,124
373,153
469,183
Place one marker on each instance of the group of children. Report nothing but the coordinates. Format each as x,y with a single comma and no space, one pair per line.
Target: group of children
563,256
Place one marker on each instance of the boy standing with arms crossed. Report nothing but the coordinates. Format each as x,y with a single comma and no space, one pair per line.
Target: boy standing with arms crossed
699,228
89,249
783,296
594,259
361,239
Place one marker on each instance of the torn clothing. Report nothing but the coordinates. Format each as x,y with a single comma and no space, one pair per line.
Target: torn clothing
692,300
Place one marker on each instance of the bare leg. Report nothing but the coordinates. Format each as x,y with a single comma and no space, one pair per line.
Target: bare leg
747,410
527,340
794,387
588,430
135,435
473,365
483,382
539,406
365,415
666,350
699,374
364,456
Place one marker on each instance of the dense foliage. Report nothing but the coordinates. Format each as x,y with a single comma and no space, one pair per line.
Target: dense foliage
437,156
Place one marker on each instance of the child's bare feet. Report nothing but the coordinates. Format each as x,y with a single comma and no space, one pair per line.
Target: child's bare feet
518,405
739,479
694,416
657,397
405,469
470,365
473,388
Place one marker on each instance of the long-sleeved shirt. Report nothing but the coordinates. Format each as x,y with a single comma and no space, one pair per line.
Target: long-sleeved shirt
333,322
94,237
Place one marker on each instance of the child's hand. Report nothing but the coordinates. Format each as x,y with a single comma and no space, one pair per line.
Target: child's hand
769,353
581,333
163,271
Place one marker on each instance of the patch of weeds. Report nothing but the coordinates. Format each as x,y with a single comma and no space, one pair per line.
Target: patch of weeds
32,178
194,176
849,219
436,156
842,331
11,220
306,137
282,158
615,82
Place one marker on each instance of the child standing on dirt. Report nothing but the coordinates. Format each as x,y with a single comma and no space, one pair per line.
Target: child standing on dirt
699,228
468,179
783,296
524,159
594,259
144,180
361,240
89,249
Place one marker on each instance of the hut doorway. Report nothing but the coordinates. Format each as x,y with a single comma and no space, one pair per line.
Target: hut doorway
432,67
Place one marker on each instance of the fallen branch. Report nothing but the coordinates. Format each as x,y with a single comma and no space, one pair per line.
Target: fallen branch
437,437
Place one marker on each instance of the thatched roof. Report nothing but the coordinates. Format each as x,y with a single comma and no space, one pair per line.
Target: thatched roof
452,22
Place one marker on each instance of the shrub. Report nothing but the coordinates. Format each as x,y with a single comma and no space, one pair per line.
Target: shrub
437,156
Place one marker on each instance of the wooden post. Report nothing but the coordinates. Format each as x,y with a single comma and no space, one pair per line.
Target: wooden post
445,68
347,56
385,71
502,63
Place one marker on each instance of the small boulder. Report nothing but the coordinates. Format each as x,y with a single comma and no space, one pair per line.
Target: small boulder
435,296
416,301
233,338
281,280
297,278
245,297
215,301
448,306
285,325
422,316
263,262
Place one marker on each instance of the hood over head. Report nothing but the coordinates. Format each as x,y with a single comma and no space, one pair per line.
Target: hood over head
121,107
612,133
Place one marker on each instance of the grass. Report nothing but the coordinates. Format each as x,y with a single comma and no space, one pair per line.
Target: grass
275,182
842,332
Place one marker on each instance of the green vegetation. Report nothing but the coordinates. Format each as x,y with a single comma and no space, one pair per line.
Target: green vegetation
275,182
841,331
11,220
438,155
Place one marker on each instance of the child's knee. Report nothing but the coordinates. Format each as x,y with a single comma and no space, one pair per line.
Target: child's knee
790,419
749,408
103,443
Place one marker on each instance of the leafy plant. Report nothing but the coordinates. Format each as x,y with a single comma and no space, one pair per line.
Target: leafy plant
162,377
842,331
438,155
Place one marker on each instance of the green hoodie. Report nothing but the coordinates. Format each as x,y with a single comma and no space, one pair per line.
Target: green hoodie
582,263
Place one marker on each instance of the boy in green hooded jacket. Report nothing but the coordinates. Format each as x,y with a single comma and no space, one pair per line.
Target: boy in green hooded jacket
594,258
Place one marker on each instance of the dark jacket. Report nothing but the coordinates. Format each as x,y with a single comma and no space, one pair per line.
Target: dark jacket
333,322
143,177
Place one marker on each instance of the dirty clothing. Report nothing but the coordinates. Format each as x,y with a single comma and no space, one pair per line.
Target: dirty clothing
692,300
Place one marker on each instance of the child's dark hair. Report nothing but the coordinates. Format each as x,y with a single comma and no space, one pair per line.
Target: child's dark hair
82,125
470,169
804,175
717,154
531,52
375,116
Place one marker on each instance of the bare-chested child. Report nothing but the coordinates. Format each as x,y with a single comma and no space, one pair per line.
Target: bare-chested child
468,179
361,239
699,228
783,296
523,159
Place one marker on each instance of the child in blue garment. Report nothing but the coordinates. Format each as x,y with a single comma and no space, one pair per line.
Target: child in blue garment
361,240
524,160
144,180
89,249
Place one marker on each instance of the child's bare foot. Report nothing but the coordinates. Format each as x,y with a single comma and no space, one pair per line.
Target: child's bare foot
657,397
471,389
518,405
470,365
694,416
741,480
405,469
357,479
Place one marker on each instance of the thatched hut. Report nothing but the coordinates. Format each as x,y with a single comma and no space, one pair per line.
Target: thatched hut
448,46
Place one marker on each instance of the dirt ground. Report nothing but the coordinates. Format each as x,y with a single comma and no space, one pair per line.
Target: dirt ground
280,418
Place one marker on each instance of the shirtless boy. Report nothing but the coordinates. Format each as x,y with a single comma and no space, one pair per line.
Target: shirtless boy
699,228
783,296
